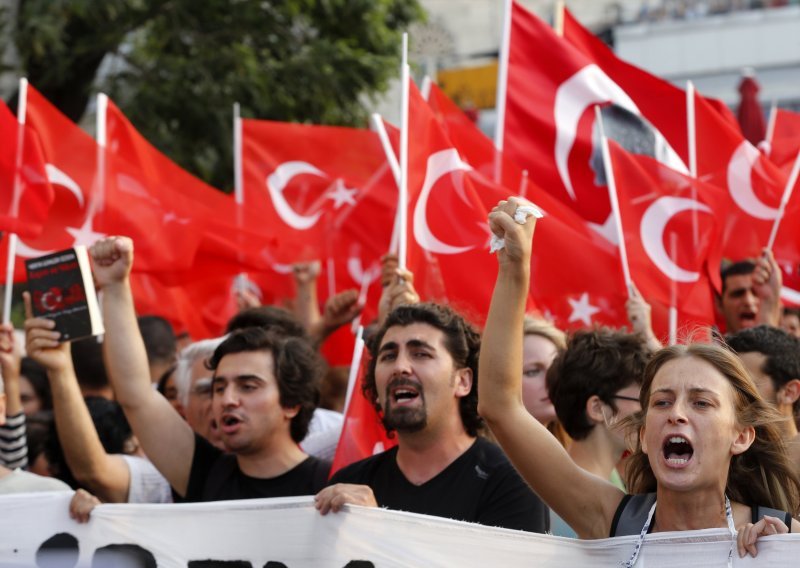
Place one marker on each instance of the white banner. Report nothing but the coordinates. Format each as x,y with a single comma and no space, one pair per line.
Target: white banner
289,532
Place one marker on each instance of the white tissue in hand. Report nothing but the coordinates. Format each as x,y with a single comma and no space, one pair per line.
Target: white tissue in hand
520,216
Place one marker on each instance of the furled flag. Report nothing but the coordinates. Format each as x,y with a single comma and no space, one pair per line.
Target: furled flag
25,193
784,143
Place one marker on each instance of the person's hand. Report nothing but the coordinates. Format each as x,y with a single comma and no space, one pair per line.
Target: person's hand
389,265
246,299
42,341
399,292
306,272
82,504
341,309
749,533
334,497
112,260
517,237
639,315
10,356
767,282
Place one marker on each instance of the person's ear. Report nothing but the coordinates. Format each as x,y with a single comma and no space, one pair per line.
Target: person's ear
463,381
743,441
595,410
291,411
790,392
642,441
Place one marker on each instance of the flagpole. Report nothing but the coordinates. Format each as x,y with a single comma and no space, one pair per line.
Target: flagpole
773,117
238,189
425,91
612,194
22,108
102,142
673,309
502,84
355,365
391,159
558,18
402,202
523,185
787,194
691,138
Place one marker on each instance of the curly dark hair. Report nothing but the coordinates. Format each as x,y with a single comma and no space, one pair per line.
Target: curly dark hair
462,341
297,370
782,352
271,318
598,362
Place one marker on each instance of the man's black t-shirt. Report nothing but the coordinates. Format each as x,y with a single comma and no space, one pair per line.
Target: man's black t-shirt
480,486
215,476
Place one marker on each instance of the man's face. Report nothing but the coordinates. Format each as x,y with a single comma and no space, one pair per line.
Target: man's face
754,363
416,380
198,410
739,303
790,323
246,403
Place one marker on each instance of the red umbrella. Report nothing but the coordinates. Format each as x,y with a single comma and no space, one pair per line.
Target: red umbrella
750,114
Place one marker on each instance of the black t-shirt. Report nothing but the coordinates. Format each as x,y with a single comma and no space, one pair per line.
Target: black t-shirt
480,486
215,476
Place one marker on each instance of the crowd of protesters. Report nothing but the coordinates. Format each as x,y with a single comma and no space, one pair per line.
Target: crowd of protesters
522,426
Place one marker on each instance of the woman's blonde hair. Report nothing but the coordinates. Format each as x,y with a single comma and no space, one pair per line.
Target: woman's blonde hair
543,328
763,475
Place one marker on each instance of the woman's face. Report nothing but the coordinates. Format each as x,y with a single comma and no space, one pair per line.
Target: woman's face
691,431
31,403
537,354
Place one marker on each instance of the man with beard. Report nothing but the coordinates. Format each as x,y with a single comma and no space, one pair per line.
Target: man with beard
422,377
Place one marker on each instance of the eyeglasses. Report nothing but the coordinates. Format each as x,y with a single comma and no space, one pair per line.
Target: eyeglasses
621,397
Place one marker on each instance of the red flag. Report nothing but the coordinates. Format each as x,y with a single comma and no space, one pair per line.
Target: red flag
26,194
785,140
70,156
363,434
663,104
549,118
755,185
658,209
577,274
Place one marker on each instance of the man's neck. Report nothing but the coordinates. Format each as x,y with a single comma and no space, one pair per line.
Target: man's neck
421,456
271,461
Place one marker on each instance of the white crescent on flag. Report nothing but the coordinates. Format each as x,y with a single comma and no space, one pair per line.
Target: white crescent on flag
654,221
277,182
740,183
439,164
57,178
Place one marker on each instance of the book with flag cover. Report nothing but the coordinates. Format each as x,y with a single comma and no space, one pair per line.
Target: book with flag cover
62,289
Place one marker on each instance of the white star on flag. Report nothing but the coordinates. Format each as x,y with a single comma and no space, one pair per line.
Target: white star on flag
582,309
342,194
85,235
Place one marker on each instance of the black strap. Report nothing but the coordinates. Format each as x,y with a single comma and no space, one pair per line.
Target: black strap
631,514
760,512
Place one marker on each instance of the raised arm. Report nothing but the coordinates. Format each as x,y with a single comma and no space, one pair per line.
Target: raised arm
13,441
103,474
586,502
166,438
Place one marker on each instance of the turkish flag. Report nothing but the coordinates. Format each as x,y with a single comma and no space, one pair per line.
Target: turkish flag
753,183
160,202
550,128
577,276
70,156
669,263
660,102
363,434
27,195
785,141
324,193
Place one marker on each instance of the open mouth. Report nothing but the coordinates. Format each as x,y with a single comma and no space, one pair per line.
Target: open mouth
748,318
677,450
229,421
403,391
